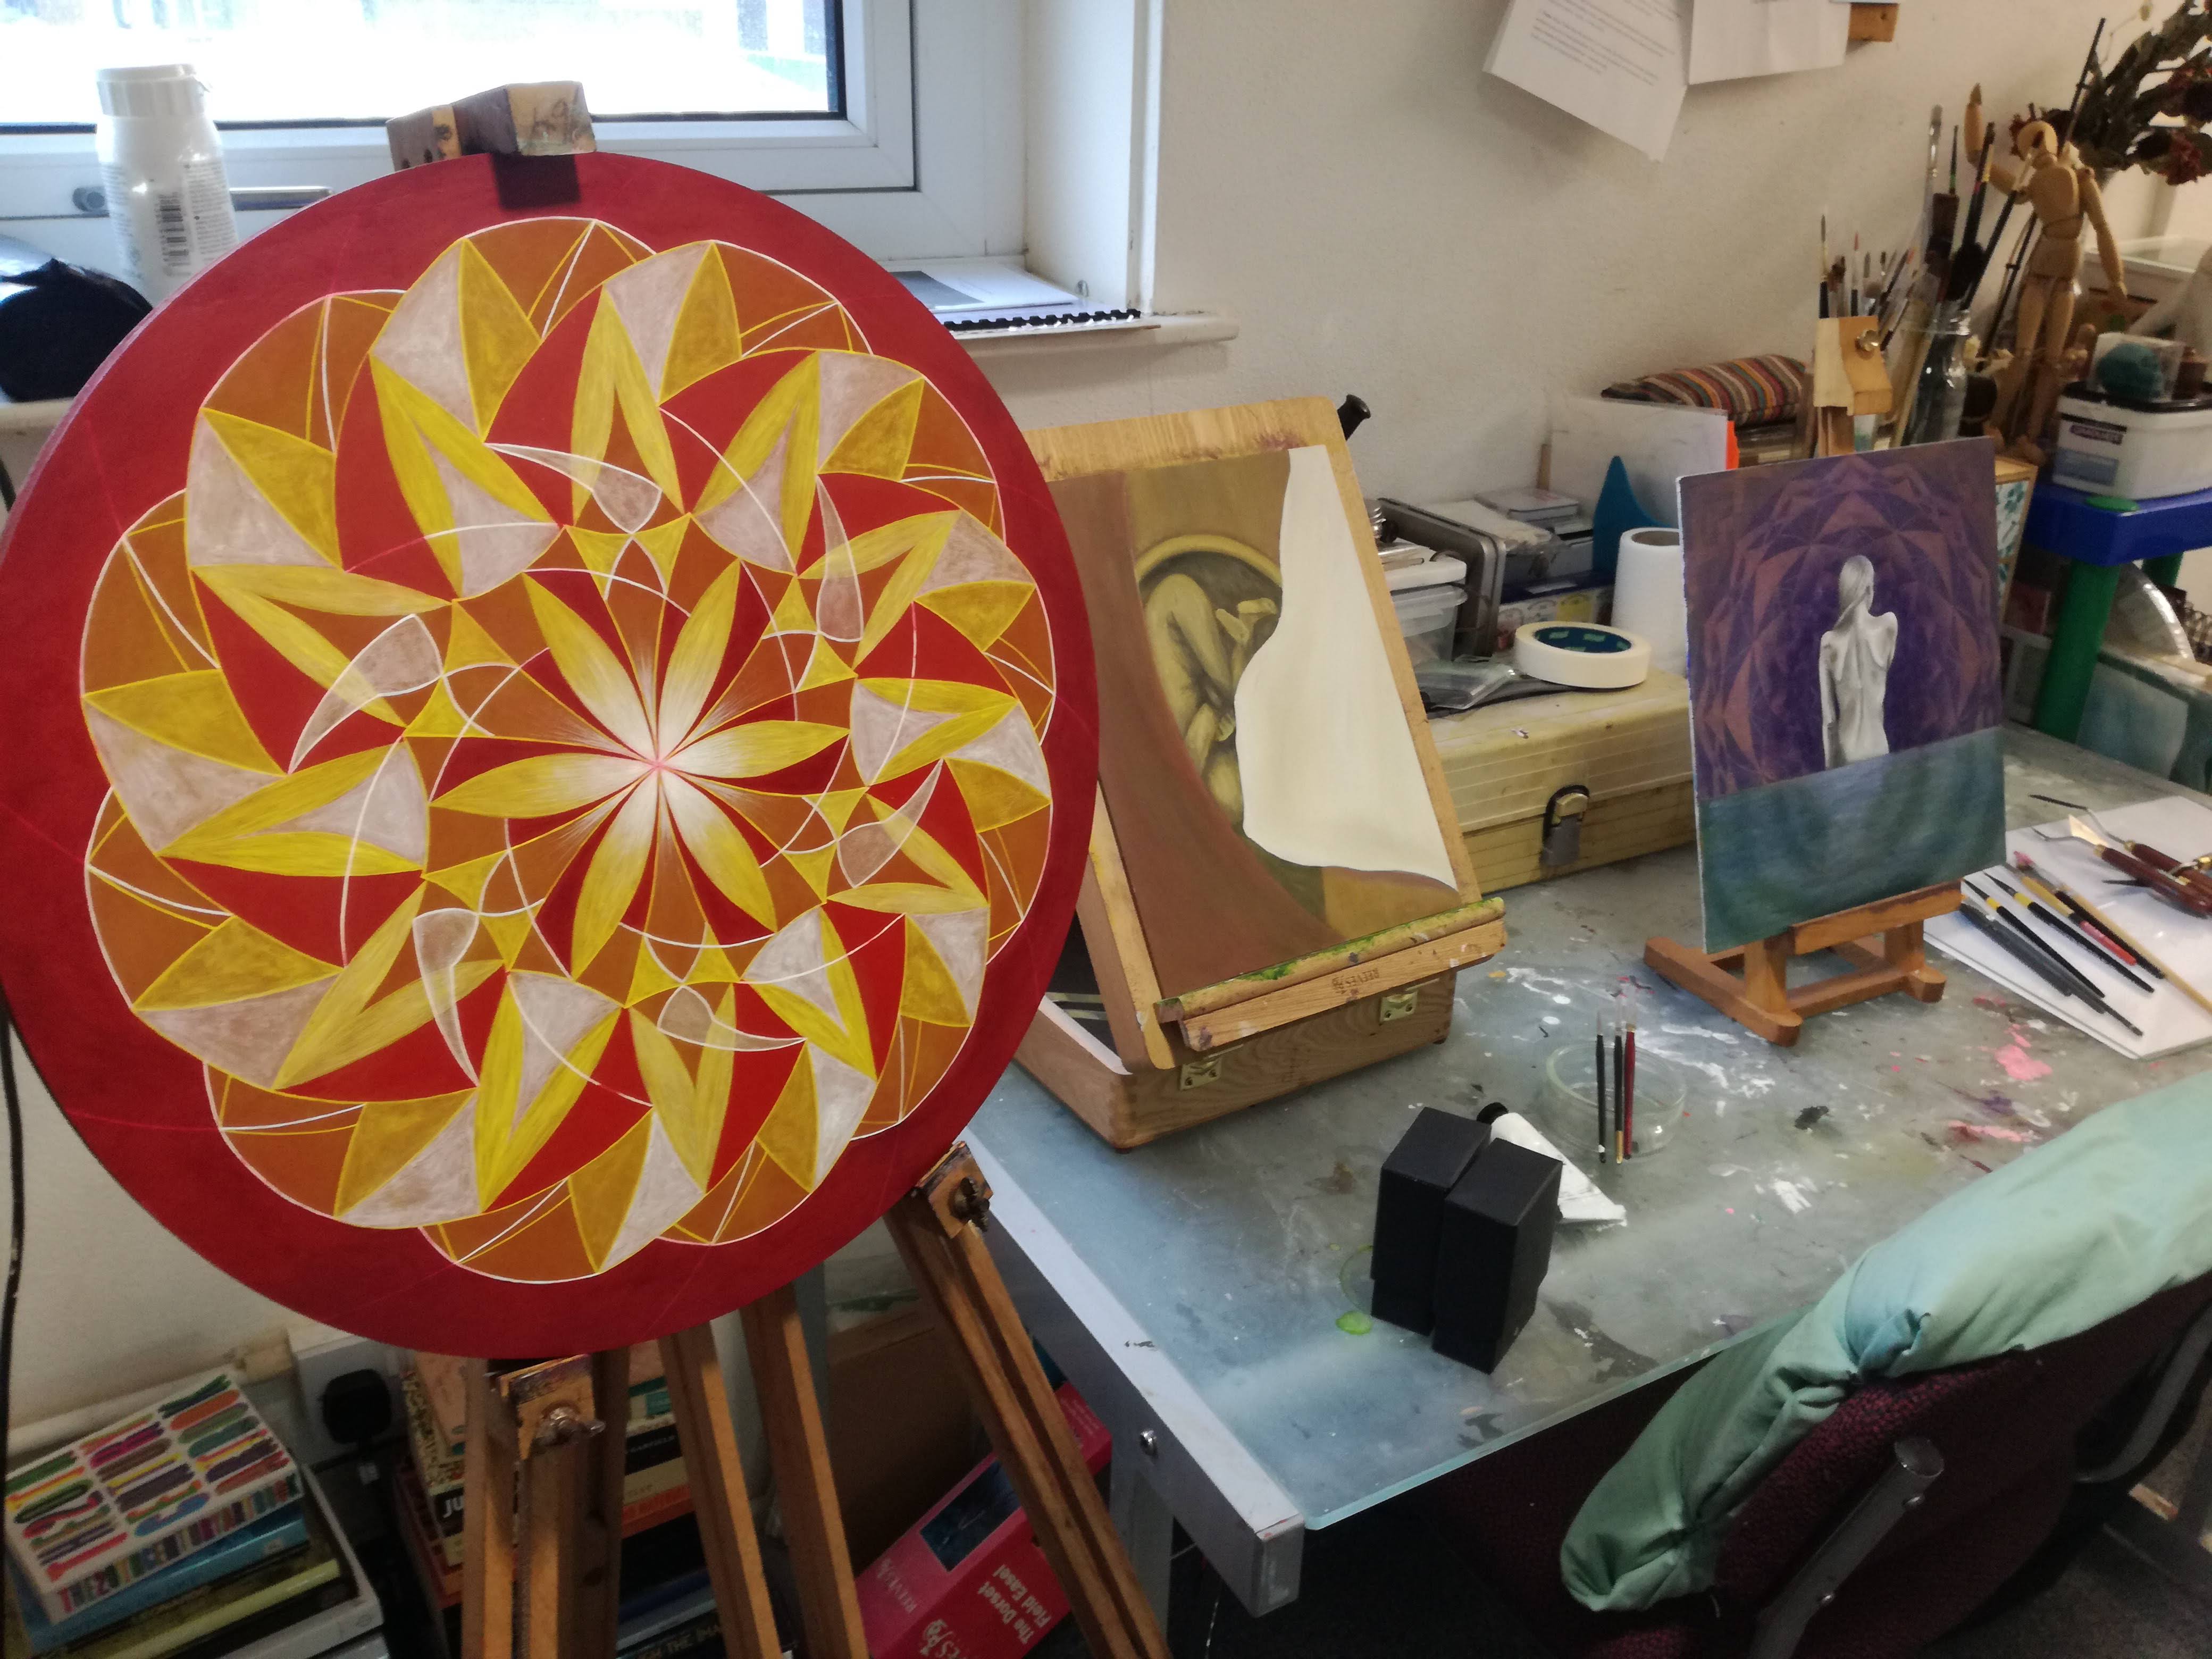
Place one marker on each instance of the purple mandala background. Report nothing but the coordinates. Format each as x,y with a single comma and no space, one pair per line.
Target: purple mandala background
1763,546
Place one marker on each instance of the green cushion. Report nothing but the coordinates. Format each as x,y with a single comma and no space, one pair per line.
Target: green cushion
2063,1238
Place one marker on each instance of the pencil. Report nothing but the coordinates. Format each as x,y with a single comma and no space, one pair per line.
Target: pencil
1619,1104
1628,1094
1604,1130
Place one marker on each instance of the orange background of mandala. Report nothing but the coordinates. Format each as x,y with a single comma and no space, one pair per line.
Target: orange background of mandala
584,704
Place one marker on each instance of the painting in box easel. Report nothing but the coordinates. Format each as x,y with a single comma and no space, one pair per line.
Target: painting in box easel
1265,788
548,733
1843,684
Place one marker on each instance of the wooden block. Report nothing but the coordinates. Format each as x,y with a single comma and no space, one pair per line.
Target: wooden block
1823,933
1874,22
1128,1106
1385,974
541,117
1209,998
1493,1248
1707,978
1417,1177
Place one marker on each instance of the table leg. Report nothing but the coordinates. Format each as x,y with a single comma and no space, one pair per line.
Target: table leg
1146,1524
2166,571
2082,615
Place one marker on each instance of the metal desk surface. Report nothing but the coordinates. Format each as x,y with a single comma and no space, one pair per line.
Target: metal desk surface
1192,1288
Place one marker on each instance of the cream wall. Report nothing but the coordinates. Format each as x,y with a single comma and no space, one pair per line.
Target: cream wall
1381,217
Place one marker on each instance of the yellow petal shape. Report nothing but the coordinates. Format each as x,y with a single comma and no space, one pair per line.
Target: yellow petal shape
909,898
611,882
592,670
721,850
510,1132
294,852
297,643
697,657
691,1109
194,712
280,802
543,785
234,962
746,752
312,588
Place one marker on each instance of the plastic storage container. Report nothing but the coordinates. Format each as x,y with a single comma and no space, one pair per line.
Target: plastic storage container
2112,447
1428,617
161,165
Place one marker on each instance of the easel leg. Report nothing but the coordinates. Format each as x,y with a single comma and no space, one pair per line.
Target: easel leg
488,1522
935,1227
552,1530
1905,950
805,1488
599,1478
718,1492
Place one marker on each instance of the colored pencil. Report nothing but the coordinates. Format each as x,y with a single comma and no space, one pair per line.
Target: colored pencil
1628,1094
1604,1130
1619,1104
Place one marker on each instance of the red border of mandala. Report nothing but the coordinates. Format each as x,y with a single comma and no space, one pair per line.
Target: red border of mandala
139,1102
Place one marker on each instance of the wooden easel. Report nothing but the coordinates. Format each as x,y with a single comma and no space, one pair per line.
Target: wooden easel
1751,984
543,1475
1163,1063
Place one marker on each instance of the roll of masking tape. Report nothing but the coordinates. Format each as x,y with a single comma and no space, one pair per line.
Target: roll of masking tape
1588,656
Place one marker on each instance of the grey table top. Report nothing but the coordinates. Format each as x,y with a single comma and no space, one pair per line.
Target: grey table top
1238,1245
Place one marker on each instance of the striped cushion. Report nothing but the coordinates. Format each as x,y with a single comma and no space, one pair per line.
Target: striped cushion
1754,391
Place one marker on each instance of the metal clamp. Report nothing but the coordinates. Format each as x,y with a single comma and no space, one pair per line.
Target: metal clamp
1398,1004
1913,1466
1562,825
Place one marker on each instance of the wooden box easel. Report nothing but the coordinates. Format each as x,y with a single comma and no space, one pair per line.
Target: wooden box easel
1164,1063
543,1476
1751,984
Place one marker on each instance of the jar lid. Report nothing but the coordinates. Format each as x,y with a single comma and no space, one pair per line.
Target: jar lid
155,90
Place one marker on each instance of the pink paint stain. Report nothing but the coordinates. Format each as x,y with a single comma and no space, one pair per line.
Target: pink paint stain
1989,1131
2020,1065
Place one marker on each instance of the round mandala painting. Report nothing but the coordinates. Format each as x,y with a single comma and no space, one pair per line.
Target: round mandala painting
549,754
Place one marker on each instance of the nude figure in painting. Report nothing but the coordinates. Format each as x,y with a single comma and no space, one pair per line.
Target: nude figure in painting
1854,659
1201,650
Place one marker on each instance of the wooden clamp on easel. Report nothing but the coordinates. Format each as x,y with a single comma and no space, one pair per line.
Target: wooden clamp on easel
1849,380
543,1477
1751,984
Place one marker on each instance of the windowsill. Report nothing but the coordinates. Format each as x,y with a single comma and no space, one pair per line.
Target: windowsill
1153,333
17,419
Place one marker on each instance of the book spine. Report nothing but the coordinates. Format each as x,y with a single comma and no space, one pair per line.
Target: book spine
175,1545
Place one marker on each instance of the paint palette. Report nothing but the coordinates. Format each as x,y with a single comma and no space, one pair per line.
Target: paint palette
89,1517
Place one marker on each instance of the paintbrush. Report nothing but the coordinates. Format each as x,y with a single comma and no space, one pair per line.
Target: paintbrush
2067,930
2052,892
1604,1130
2148,959
2129,860
2052,968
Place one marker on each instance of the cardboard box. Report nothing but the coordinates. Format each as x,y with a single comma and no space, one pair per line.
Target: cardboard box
968,1581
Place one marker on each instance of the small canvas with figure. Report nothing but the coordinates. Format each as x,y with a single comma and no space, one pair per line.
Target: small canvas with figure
1844,696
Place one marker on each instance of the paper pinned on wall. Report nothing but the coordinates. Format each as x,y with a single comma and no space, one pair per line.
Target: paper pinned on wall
1618,64
1732,39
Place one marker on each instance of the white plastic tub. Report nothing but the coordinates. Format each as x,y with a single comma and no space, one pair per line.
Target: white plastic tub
1428,617
2108,448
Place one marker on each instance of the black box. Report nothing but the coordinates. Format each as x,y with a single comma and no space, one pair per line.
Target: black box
1409,1204
1492,1249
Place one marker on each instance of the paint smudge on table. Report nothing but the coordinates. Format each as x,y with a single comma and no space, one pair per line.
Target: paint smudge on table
1962,1130
2021,1066
1794,1196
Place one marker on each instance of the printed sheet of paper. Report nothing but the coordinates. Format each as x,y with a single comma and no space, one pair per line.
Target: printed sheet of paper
1731,39
1618,64
1659,444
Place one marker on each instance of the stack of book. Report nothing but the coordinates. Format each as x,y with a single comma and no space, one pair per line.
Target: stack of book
433,1500
181,1521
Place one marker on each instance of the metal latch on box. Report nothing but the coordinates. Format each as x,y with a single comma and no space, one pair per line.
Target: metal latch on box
1562,825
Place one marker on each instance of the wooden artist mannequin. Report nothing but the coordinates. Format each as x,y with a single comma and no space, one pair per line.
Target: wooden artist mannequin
2063,196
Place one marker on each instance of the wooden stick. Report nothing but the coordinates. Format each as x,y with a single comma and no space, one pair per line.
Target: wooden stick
934,1227
805,1489
486,1523
1316,964
718,1492
599,1499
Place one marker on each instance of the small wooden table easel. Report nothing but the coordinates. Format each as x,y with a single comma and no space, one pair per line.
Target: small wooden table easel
543,1476
1751,984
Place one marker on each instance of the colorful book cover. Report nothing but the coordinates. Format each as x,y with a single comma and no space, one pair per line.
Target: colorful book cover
198,1615
103,1511
263,1540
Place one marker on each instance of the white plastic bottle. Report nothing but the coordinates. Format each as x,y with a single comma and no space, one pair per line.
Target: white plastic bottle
160,163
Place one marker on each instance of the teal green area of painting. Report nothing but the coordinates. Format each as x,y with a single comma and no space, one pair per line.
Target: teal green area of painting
2060,1240
1785,853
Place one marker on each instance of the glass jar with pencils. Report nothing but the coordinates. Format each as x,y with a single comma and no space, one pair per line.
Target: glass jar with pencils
1645,1107
1939,398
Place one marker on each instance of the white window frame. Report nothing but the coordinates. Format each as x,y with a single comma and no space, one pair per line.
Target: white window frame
925,163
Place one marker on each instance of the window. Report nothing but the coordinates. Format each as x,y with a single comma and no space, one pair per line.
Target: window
375,58
895,123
